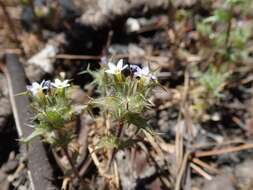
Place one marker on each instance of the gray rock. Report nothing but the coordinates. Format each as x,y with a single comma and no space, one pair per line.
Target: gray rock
243,173
34,72
10,166
219,183
5,108
4,184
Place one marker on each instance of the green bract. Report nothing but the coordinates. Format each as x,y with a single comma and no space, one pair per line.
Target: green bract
52,110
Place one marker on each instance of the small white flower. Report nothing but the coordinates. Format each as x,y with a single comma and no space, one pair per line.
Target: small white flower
113,69
144,73
36,87
60,84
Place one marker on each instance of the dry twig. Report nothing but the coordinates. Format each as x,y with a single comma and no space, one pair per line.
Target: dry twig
216,152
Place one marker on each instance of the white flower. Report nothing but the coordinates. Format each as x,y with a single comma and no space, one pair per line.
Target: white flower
144,73
113,69
36,87
60,84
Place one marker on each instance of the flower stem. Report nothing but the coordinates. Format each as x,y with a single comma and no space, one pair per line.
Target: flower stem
74,169
113,152
228,30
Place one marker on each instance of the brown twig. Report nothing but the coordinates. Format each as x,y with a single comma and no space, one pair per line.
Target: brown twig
206,166
74,169
162,60
182,170
217,152
74,57
85,166
200,171
179,131
209,145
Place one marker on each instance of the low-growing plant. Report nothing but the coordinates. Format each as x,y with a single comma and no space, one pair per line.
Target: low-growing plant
53,112
123,97
213,80
228,39
208,89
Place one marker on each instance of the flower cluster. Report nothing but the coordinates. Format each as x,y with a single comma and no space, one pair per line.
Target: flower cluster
137,72
52,109
124,89
37,88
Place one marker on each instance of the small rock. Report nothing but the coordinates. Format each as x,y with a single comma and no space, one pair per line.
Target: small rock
3,86
4,183
34,72
78,96
243,173
132,25
161,97
45,58
219,182
5,109
118,49
139,168
10,166
127,174
136,54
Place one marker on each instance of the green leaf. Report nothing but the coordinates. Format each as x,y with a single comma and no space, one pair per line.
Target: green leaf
204,29
110,103
138,121
240,36
213,80
108,142
127,143
37,132
55,118
111,141
235,2
219,15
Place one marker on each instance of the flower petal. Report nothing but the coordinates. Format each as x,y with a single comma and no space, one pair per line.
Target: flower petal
145,71
120,64
57,81
124,67
112,66
36,85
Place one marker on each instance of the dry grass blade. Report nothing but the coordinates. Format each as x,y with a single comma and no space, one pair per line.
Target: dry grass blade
206,166
216,152
182,171
116,175
155,145
200,171
96,161
65,183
